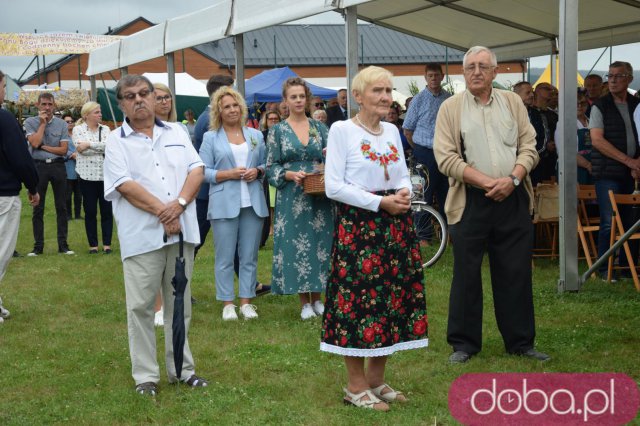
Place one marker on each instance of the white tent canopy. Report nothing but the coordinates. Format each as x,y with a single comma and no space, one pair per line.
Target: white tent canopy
186,85
513,29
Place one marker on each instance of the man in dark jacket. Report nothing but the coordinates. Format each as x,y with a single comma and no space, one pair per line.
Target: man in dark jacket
16,168
614,159
338,112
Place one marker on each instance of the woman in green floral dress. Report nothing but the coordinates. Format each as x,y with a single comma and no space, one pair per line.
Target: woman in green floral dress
303,226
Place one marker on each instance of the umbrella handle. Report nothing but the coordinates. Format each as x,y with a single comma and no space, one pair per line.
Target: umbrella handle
181,246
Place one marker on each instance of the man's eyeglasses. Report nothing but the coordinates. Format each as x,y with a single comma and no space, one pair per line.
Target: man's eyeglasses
483,68
318,104
131,96
161,99
616,76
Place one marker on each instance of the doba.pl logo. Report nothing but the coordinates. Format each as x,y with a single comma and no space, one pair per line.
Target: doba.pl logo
544,399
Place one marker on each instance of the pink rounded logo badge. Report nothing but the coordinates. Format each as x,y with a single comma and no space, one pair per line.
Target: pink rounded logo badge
544,399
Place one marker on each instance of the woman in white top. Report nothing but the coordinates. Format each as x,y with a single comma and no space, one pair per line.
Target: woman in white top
375,302
234,156
89,137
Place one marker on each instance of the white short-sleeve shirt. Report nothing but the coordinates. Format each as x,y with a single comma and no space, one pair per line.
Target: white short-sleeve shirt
160,165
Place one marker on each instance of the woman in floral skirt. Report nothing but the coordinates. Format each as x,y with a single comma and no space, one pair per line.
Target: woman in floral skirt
303,226
375,302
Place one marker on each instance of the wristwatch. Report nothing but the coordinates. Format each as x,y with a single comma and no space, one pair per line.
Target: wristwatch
183,203
515,180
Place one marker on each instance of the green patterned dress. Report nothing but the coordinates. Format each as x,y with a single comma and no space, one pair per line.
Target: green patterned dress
303,225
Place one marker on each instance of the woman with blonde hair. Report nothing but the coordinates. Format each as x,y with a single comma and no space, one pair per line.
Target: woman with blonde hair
375,303
90,136
234,158
303,225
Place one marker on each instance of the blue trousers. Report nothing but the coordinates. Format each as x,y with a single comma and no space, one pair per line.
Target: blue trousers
244,231
603,186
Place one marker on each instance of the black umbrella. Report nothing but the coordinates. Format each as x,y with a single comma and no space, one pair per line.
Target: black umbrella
179,282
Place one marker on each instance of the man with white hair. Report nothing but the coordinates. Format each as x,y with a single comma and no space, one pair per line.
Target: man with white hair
485,143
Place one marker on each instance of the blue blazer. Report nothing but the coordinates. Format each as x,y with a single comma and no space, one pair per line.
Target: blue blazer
224,197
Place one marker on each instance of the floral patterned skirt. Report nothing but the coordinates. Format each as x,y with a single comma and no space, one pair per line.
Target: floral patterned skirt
375,299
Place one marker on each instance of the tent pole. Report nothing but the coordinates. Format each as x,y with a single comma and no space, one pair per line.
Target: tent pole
239,39
351,47
568,166
171,75
94,90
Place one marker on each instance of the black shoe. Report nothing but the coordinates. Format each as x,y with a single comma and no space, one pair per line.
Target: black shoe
16,254
533,354
459,357
93,251
66,250
35,252
107,251
262,289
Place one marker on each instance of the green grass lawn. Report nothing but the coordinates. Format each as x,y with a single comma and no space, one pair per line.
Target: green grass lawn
64,353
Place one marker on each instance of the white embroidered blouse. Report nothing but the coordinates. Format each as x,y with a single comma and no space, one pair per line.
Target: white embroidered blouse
355,164
89,163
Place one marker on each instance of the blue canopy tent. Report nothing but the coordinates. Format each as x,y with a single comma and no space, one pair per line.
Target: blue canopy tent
267,86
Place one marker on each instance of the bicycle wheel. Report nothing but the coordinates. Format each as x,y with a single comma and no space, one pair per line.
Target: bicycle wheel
431,230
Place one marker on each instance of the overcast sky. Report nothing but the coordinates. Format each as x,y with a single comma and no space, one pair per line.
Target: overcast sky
95,17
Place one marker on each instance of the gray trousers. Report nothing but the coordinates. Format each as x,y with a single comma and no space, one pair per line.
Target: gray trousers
144,275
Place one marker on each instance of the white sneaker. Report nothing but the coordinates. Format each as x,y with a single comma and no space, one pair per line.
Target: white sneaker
318,308
4,313
248,311
307,312
229,313
33,254
158,320
67,251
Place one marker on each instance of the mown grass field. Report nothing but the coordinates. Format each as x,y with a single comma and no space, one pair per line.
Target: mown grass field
64,354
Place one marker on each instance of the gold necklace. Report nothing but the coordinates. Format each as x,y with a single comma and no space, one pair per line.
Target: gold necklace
374,133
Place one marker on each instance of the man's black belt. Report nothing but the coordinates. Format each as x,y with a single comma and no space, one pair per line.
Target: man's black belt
51,160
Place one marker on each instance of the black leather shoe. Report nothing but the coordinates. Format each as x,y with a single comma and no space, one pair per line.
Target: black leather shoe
262,289
459,357
533,354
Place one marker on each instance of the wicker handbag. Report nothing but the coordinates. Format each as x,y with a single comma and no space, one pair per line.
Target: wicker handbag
313,183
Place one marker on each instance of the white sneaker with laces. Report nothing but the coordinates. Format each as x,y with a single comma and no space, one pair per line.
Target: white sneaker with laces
248,311
32,254
229,313
158,320
318,308
307,312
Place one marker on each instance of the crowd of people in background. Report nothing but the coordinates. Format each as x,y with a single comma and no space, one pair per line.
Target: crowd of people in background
158,177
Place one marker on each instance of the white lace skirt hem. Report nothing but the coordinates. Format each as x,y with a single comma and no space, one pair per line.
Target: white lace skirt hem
388,350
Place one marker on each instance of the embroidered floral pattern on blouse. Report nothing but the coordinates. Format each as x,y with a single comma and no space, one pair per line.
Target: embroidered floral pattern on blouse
383,159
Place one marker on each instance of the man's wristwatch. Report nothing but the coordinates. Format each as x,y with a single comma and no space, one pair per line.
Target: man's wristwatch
515,180
183,203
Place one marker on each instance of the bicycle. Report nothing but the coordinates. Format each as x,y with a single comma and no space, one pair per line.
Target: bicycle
430,226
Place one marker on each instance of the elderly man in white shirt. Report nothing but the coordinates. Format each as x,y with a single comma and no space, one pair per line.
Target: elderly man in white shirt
151,174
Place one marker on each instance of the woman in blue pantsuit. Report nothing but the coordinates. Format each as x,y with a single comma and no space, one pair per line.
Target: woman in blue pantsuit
234,156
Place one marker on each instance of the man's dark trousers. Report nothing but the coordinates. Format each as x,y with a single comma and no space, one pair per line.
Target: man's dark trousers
503,229
57,175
